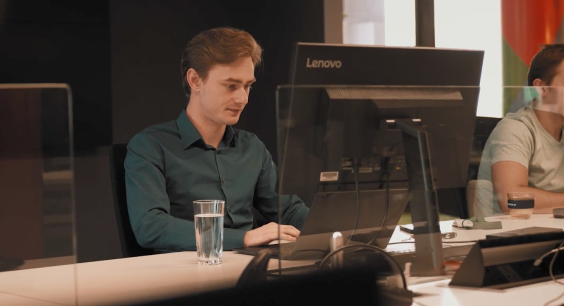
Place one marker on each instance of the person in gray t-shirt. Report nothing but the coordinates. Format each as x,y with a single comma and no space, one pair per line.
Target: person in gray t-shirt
525,151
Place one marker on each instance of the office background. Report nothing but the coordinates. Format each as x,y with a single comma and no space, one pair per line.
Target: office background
121,59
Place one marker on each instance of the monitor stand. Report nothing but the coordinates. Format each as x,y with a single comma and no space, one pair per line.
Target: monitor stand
423,200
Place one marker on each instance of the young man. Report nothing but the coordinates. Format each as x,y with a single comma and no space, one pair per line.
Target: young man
200,156
525,152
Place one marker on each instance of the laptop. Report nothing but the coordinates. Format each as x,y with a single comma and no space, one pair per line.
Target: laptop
337,212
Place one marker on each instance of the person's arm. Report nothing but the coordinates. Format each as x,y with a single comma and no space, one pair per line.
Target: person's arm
148,203
511,146
508,176
266,201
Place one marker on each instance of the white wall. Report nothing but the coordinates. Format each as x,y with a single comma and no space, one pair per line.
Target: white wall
475,24
400,22
363,22
459,24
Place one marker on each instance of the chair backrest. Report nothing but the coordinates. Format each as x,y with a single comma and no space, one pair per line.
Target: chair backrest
480,196
129,245
482,131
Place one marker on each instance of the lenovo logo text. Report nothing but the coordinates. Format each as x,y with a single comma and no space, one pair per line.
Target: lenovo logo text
323,64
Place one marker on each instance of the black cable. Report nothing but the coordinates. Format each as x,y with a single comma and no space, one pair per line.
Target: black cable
372,247
387,165
385,169
357,199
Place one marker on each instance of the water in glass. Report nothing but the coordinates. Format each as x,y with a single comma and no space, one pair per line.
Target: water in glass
209,238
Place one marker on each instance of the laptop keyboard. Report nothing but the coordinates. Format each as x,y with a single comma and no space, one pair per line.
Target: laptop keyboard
285,249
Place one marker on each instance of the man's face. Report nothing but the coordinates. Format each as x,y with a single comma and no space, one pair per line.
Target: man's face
553,96
225,91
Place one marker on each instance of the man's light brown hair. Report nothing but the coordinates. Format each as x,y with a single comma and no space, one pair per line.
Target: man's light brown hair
219,46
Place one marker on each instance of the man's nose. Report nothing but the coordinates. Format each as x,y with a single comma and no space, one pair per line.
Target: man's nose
241,97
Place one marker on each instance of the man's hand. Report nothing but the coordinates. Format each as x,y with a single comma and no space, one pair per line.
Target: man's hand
268,233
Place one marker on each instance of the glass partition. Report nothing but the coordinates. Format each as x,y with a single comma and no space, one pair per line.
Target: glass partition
364,159
528,144
37,216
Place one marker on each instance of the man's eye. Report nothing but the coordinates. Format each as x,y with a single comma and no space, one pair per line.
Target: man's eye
248,87
230,86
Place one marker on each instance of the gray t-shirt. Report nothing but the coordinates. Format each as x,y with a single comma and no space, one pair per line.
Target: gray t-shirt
519,137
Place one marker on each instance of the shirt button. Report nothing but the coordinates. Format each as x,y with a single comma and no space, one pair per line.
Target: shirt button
223,181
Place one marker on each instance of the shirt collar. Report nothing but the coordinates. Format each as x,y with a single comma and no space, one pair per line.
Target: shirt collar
190,134
229,137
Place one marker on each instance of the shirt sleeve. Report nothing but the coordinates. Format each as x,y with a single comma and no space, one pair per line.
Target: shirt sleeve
512,141
266,200
149,206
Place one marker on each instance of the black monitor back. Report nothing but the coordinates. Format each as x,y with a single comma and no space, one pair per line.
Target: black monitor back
328,131
379,65
329,64
325,64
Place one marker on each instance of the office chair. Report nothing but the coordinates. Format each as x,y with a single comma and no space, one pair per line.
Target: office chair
129,245
482,131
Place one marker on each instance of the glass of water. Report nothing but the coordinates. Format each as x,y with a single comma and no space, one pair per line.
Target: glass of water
208,220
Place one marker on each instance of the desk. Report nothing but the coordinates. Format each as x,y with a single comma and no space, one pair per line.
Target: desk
129,280
439,293
119,281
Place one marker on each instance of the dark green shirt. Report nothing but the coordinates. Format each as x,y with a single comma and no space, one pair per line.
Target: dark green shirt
168,166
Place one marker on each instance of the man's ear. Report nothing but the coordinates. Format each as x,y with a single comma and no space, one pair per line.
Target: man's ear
538,82
540,86
194,80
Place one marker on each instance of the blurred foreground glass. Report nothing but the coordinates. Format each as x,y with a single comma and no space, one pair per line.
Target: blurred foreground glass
208,220
520,204
37,214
